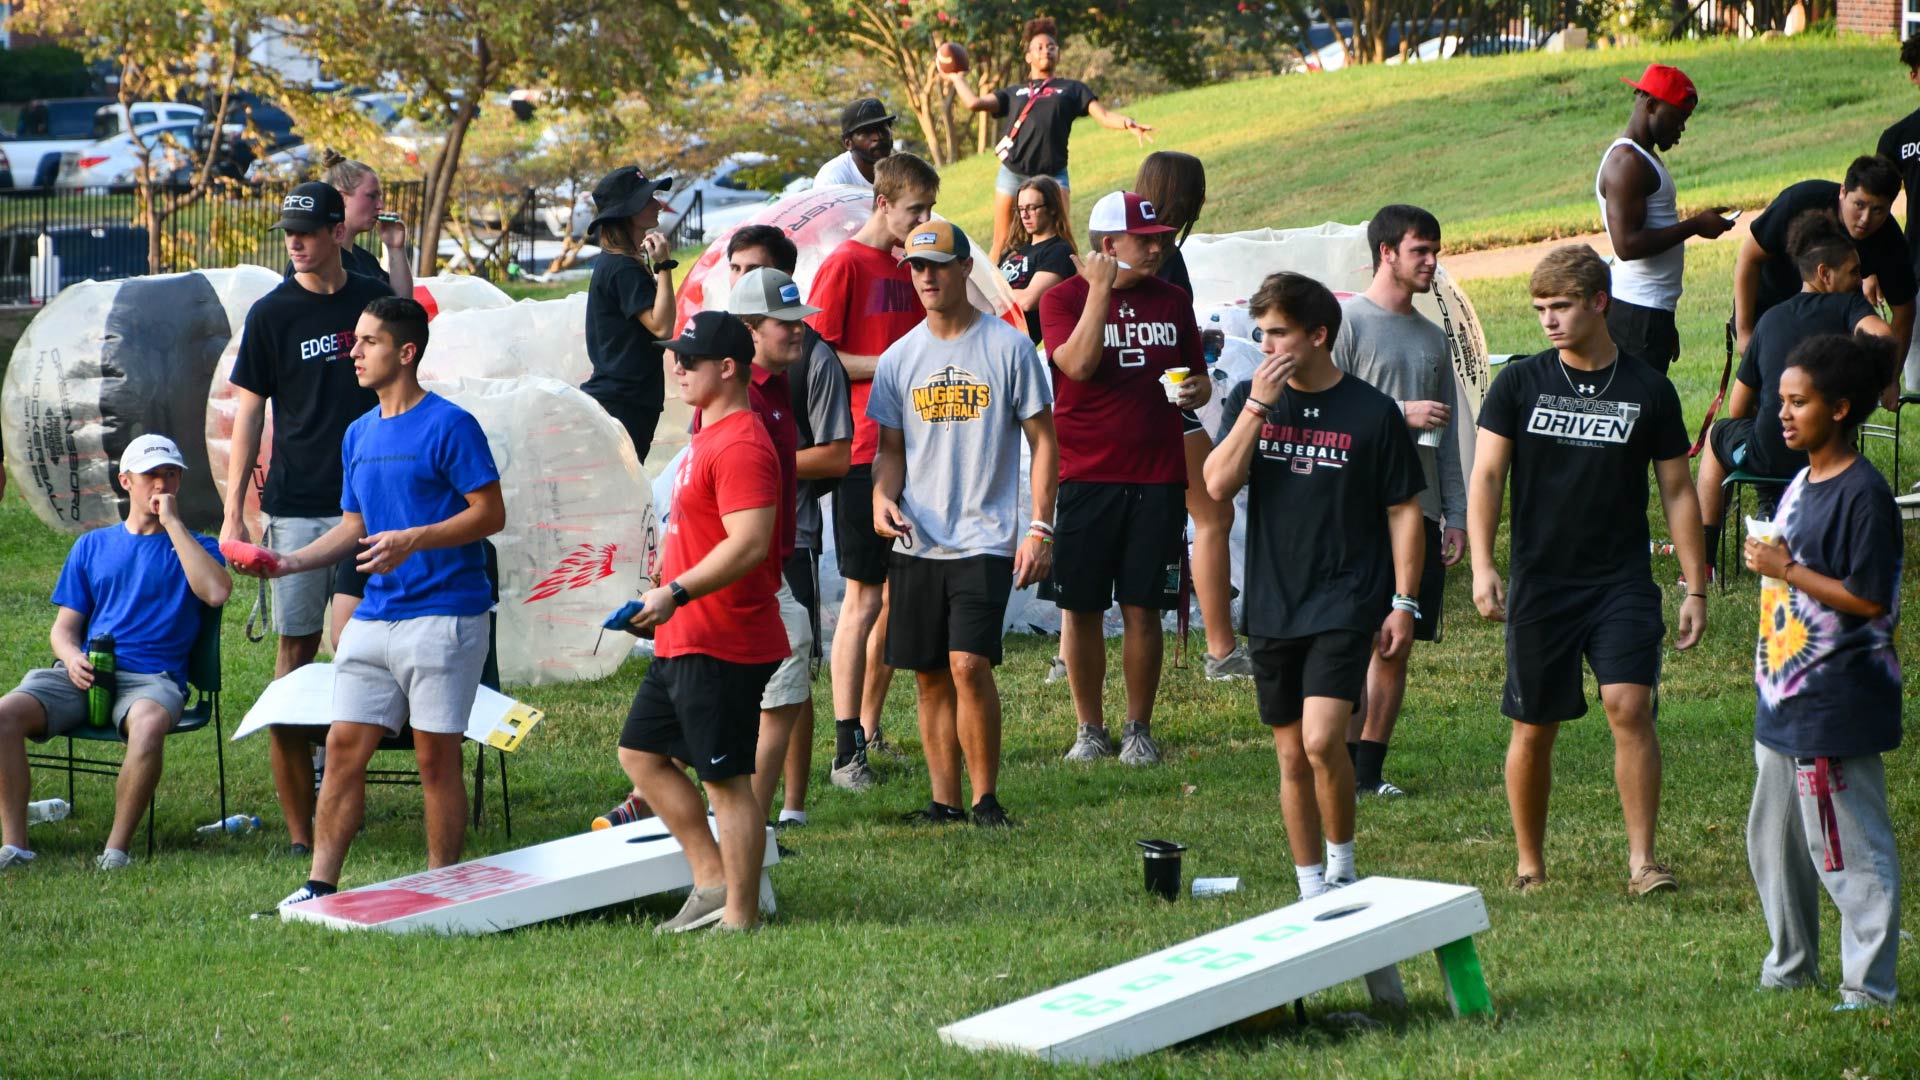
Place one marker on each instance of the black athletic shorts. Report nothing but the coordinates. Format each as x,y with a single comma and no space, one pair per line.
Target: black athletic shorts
802,573
938,606
1288,671
1190,423
1433,586
1647,333
700,710
349,579
862,552
1117,542
1617,627
640,420
1730,438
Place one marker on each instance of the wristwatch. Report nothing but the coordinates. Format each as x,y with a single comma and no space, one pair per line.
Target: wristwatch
679,591
665,265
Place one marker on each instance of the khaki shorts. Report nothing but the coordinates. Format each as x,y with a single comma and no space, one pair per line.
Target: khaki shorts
66,704
422,672
792,681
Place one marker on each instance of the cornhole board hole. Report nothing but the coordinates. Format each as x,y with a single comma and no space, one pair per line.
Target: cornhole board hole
1246,969
516,888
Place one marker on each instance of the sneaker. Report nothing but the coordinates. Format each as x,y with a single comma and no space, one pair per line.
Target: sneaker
855,775
885,747
1383,790
937,814
725,927
299,851
112,860
1338,883
786,853
1237,664
301,895
1526,883
1057,670
1652,878
703,908
631,809
1137,746
14,856
784,823
992,815
1091,744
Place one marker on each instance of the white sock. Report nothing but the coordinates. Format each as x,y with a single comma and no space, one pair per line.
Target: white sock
794,815
15,854
1340,861
1313,880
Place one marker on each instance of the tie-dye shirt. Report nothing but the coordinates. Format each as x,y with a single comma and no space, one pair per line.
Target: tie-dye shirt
1829,684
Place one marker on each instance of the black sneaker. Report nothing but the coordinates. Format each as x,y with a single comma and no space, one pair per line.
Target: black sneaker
936,814
988,813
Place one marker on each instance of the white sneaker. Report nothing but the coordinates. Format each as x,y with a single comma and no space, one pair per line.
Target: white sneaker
14,856
111,859
1091,744
1237,664
1057,670
1137,747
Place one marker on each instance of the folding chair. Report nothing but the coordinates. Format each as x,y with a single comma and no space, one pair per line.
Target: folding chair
1735,519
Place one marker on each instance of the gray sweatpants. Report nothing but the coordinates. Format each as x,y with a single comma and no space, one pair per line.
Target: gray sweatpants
1790,850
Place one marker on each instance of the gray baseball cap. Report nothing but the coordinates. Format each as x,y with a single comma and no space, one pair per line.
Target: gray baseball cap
770,292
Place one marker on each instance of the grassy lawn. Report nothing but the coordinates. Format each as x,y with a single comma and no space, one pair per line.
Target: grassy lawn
887,933
1467,140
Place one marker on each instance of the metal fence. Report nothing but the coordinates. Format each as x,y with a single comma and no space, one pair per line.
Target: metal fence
1463,28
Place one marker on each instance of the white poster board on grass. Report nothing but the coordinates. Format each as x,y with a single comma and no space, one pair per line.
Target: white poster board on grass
304,696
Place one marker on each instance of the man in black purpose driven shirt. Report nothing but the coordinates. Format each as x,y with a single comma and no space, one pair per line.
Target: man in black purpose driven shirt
295,352
1335,543
1577,425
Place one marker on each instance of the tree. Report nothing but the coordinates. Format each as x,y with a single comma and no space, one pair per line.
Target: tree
453,56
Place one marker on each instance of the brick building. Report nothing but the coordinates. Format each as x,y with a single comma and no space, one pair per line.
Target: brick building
1901,17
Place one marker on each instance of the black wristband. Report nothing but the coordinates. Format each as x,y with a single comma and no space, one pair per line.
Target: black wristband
1701,595
665,265
679,591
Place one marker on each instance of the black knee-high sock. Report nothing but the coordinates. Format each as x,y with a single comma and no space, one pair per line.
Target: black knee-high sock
1713,548
1367,761
846,734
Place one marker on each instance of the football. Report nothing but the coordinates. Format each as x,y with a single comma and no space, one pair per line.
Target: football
953,58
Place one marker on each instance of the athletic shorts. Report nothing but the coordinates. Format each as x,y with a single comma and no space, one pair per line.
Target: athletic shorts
1730,438
1191,424
640,420
941,606
863,553
792,681
802,574
1117,542
300,600
1007,182
1647,333
1433,586
421,672
700,710
66,704
1617,627
1288,671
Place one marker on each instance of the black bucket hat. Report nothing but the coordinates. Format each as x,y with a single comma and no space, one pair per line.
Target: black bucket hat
623,193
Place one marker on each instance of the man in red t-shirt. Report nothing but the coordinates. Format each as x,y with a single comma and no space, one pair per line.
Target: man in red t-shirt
1113,334
717,632
867,303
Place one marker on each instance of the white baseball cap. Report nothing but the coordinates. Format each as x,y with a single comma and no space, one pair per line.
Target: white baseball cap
149,452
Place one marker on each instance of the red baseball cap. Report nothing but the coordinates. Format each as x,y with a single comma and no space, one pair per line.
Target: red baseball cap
1668,84
1123,211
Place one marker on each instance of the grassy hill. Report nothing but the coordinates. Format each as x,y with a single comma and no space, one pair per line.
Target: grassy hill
1502,149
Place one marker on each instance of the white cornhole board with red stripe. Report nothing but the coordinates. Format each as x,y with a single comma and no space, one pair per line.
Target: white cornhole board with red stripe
1242,971
500,892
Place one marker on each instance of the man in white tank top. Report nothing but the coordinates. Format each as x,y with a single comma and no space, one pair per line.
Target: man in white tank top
1638,205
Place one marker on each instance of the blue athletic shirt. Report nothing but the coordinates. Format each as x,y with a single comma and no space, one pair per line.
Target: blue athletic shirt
416,469
134,588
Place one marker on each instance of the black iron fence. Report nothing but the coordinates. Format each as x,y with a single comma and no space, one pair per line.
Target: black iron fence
1448,29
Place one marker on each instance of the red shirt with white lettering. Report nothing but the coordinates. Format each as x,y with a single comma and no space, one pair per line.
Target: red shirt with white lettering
730,467
1119,427
771,397
866,303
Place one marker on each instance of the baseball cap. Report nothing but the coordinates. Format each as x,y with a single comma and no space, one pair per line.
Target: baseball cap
865,112
714,335
770,292
1123,211
1668,84
311,207
623,193
149,452
936,242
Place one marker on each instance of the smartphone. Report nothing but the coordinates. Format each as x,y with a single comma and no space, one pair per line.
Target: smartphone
1731,216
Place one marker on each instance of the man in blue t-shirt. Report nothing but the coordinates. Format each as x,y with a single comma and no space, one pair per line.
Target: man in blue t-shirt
146,584
419,495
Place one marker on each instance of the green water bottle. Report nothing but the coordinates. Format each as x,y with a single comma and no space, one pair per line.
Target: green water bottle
100,695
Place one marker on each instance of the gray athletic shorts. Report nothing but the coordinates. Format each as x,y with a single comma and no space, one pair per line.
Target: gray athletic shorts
66,704
422,671
300,600
792,681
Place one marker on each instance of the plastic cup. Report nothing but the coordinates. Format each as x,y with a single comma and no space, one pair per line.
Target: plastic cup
1162,861
1178,375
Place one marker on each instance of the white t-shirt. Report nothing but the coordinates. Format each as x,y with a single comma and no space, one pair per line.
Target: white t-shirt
841,170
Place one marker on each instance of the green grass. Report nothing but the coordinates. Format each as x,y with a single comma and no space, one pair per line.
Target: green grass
1502,149
887,933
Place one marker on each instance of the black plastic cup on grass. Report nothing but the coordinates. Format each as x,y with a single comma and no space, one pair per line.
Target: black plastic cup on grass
1162,861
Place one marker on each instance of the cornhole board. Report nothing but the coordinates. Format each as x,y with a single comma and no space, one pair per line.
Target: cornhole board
1909,507
1244,970
533,884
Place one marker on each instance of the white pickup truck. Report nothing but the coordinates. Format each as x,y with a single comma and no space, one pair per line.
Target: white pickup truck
34,161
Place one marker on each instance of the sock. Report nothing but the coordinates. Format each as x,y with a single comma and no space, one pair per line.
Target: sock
321,888
1340,861
19,854
1713,547
798,816
1313,880
844,734
1368,756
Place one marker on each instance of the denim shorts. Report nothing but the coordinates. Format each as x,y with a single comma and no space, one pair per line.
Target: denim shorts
1008,182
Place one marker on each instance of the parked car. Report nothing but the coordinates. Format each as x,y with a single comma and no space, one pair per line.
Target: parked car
48,128
111,120
116,159
725,199
102,253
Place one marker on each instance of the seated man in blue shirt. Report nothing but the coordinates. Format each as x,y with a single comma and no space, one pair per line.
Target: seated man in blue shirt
420,494
145,584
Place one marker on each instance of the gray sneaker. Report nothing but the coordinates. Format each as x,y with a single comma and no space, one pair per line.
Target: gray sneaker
1237,664
1137,746
855,775
703,908
885,747
1091,744
1057,670
112,860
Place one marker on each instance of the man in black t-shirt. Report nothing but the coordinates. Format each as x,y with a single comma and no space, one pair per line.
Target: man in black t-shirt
1900,144
1764,275
1829,302
295,352
1334,553
1577,426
